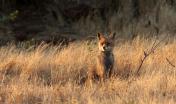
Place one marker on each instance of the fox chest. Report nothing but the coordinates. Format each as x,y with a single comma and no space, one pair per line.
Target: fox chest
106,61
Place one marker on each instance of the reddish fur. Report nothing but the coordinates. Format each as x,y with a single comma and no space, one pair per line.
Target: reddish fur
104,66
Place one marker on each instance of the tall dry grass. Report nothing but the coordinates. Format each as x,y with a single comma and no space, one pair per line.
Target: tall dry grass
54,75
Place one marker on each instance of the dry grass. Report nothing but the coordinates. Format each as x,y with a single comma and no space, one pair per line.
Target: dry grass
50,75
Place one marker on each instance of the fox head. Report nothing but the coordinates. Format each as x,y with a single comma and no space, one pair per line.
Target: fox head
106,43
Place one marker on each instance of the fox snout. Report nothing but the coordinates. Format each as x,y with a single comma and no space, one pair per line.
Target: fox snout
105,47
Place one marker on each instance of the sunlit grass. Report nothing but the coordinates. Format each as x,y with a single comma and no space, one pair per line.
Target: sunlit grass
53,75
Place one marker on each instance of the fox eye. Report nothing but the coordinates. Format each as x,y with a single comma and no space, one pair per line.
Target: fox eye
102,43
107,43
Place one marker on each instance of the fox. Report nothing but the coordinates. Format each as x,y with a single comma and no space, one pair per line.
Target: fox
105,58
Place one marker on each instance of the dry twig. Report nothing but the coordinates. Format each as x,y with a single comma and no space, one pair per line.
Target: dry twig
147,54
170,63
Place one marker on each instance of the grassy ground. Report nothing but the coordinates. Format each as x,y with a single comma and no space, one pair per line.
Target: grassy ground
51,75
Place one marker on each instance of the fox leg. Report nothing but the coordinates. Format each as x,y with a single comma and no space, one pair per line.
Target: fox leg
101,75
110,72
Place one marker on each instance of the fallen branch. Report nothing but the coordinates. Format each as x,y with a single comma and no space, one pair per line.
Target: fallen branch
147,54
170,63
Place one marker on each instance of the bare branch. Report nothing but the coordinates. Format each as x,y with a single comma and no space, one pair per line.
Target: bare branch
170,63
146,54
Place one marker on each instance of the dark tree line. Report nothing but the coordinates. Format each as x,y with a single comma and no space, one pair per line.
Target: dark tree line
32,16
76,8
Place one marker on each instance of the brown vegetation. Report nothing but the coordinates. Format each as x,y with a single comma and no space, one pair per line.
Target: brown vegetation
51,75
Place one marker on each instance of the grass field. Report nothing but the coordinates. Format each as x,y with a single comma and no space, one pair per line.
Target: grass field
54,75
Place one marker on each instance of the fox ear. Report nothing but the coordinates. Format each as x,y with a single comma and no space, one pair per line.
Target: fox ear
99,36
112,35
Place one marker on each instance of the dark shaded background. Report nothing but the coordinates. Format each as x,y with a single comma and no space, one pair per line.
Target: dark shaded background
67,20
